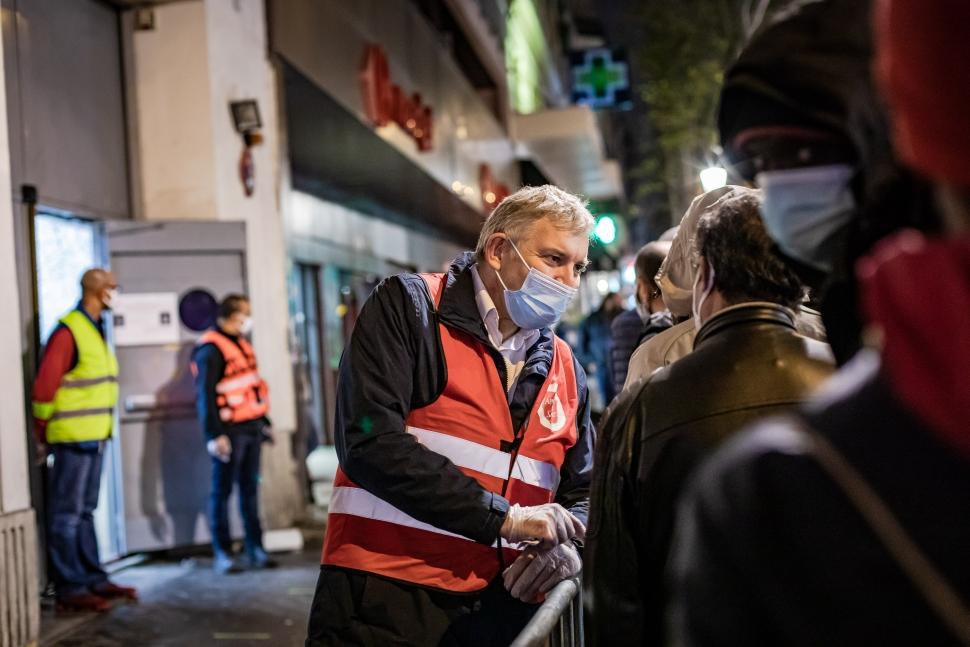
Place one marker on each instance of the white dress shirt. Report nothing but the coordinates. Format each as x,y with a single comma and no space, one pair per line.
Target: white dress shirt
514,348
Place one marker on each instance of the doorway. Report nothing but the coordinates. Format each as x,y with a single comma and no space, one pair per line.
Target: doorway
65,247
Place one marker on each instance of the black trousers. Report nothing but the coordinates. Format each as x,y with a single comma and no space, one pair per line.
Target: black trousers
356,608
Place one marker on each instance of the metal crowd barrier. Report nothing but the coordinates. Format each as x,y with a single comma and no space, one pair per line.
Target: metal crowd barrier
559,620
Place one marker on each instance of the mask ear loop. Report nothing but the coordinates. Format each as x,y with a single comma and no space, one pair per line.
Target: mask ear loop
704,295
499,275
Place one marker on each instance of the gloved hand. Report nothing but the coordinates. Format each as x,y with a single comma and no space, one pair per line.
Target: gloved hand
544,525
220,447
537,571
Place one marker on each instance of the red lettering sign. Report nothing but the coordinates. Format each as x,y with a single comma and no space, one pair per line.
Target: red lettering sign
385,102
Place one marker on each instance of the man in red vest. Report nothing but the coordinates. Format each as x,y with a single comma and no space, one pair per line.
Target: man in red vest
464,440
232,401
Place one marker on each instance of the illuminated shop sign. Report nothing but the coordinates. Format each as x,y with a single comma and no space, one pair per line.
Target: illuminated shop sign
601,78
385,102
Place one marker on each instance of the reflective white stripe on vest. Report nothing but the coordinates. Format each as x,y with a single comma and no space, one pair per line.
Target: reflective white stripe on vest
487,460
237,383
361,503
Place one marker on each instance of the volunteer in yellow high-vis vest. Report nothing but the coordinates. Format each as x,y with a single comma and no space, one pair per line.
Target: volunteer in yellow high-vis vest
74,397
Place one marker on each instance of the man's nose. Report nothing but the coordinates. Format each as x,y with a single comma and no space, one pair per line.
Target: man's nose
567,276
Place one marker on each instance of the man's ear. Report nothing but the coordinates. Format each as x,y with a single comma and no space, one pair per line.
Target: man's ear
494,248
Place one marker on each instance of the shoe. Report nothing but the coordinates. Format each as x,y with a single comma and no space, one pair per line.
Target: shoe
225,565
109,590
259,559
82,602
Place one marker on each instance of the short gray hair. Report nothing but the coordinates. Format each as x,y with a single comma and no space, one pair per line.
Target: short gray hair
516,214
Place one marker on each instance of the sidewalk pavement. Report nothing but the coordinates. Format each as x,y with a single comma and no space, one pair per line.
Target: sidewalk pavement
184,603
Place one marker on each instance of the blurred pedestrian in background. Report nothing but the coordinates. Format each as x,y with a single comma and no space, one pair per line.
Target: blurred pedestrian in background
632,327
595,346
233,402
74,396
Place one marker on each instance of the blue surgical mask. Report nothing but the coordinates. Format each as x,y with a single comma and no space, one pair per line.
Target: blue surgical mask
540,302
805,208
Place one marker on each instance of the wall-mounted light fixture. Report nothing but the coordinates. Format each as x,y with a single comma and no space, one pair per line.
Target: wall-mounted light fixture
245,118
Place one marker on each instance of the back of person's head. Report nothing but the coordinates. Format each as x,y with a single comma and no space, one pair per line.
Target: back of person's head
516,214
733,241
231,304
676,275
649,259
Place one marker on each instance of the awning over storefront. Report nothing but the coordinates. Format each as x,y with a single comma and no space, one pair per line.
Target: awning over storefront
336,157
567,146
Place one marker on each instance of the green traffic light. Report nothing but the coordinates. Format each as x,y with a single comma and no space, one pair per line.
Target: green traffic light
605,230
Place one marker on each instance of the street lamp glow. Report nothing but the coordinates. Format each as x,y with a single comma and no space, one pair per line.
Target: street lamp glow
713,177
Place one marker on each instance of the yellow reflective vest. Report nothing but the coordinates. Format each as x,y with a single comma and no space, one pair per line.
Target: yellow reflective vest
83,407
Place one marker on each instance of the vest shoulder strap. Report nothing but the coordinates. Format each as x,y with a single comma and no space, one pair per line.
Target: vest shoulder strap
436,283
562,348
225,345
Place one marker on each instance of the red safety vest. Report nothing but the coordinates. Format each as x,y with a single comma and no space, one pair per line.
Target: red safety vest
241,394
468,423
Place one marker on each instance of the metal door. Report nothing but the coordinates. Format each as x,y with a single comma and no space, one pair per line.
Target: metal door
170,275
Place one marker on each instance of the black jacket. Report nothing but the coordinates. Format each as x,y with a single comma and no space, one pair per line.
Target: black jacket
772,552
748,361
394,364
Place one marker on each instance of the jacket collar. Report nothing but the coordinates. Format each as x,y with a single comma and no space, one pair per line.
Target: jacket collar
459,310
745,313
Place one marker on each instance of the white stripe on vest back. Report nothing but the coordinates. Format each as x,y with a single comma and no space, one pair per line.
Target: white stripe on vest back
487,460
361,503
237,383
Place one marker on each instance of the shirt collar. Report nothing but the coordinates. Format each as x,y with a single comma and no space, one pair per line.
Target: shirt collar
489,313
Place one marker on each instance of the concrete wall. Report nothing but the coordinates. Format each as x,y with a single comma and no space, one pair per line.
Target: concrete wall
14,481
183,74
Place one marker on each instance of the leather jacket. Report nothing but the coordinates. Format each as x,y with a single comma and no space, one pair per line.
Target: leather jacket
748,362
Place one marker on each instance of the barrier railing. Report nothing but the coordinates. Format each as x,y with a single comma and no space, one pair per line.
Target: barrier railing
559,620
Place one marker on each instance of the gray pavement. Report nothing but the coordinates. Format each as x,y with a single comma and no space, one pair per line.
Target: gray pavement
184,604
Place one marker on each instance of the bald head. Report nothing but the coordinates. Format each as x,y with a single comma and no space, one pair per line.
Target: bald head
95,281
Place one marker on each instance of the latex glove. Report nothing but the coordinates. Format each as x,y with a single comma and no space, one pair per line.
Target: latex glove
537,571
543,525
220,447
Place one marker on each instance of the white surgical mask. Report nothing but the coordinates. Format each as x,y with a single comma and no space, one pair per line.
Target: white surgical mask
540,302
698,303
804,208
110,297
246,326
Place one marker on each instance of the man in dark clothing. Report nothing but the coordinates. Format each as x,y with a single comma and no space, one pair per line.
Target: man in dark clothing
748,361
462,429
799,116
846,523
232,403
595,345
74,395
633,327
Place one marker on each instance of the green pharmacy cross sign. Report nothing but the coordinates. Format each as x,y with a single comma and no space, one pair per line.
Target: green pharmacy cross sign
601,78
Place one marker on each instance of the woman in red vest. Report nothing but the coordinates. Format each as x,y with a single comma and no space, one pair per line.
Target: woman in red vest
232,401
464,441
